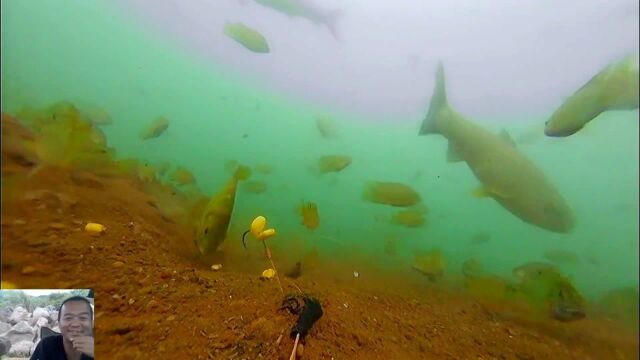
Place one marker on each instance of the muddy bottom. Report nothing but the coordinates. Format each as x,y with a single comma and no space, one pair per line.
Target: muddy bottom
154,298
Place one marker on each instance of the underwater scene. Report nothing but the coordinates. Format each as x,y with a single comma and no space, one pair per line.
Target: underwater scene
306,179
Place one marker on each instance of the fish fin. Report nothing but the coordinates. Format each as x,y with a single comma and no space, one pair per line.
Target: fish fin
481,192
437,104
507,138
242,172
484,192
331,20
452,154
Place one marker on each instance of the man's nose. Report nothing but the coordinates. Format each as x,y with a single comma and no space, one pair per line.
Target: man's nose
75,323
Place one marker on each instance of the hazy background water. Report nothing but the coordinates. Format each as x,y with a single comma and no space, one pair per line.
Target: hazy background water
509,65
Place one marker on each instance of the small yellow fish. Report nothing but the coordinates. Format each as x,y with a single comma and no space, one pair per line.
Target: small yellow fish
309,213
154,129
247,37
409,217
182,176
430,263
333,163
390,193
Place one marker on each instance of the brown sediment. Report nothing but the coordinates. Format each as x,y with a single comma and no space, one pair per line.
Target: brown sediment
162,301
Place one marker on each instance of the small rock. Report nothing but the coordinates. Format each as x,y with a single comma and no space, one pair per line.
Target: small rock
216,267
117,264
171,318
28,270
356,274
131,301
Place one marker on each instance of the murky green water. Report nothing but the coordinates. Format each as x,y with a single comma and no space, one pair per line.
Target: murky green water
93,51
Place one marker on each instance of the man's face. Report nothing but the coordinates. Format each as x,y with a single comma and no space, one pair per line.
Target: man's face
75,320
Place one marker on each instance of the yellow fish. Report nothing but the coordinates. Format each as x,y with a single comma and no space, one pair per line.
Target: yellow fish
155,128
390,193
409,217
309,213
182,176
211,230
333,163
247,37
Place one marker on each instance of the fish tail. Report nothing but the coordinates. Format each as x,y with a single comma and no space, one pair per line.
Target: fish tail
331,20
438,103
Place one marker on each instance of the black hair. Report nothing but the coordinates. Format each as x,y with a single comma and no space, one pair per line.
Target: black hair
75,298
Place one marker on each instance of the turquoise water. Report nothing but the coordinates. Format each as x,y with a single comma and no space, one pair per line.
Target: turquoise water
95,52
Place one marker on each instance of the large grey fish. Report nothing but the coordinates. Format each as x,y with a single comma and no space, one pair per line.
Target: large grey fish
613,88
506,174
305,9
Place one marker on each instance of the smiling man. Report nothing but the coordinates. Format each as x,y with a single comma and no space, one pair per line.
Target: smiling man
75,342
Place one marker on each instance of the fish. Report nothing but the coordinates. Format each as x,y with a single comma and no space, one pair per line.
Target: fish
154,129
65,138
411,218
255,186
506,175
309,213
247,37
390,193
307,10
615,87
532,269
471,268
295,271
326,127
232,166
480,238
430,263
333,163
182,176
264,169
94,113
621,304
18,143
211,229
553,293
